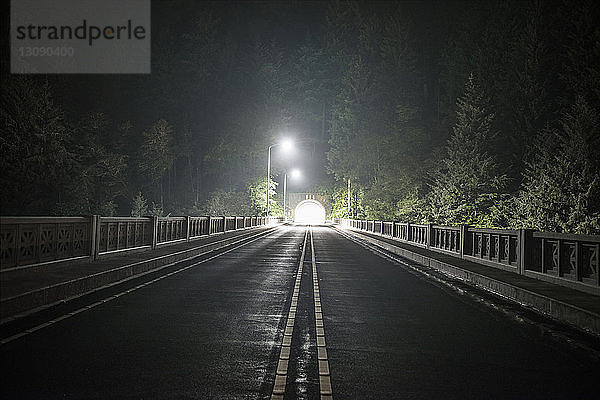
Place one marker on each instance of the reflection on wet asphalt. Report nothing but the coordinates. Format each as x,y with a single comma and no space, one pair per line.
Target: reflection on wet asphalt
303,379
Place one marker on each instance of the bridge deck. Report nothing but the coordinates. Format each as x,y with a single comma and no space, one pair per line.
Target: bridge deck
371,327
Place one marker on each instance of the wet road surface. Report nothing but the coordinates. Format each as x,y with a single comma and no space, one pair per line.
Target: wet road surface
394,335
215,331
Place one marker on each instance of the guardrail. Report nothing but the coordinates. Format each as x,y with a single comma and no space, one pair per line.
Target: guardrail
30,241
568,260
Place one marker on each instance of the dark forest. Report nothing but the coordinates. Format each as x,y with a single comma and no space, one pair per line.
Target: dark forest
452,112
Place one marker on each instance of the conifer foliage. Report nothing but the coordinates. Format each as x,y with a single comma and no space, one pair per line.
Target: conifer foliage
467,185
561,189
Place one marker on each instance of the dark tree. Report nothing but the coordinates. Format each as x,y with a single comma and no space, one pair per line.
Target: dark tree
468,185
561,189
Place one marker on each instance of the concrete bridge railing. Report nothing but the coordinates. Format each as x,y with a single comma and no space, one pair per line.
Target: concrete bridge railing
564,259
30,241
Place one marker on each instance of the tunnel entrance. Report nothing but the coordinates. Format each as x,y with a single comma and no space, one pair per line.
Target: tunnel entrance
309,212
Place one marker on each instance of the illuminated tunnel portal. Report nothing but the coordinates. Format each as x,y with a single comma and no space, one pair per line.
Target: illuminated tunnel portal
309,212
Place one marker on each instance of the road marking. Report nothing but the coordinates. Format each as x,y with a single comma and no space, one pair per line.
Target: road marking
112,297
325,389
284,353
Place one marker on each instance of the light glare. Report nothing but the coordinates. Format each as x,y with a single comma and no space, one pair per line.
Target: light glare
309,212
287,145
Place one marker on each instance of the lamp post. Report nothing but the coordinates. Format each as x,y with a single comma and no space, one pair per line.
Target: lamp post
349,216
295,173
287,145
284,196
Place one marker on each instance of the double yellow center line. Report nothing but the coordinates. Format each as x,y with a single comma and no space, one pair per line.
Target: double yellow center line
325,389
324,377
284,354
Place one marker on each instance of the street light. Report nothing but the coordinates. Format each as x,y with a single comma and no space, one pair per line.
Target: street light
295,174
287,145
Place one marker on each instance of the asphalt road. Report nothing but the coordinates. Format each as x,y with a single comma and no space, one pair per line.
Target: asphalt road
214,331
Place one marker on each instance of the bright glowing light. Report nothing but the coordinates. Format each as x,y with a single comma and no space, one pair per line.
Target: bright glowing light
309,212
295,173
287,145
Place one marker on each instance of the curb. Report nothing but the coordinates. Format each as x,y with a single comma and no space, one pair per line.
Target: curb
582,319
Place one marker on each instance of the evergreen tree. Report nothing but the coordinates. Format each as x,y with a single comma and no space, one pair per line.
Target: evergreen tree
100,174
258,196
36,158
157,156
139,208
561,189
467,186
221,202
378,138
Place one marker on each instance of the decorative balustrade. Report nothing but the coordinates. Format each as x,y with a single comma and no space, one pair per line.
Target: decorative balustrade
571,257
114,234
418,234
570,260
499,247
29,241
35,240
230,223
387,228
377,226
171,229
199,226
239,222
401,231
446,238
217,224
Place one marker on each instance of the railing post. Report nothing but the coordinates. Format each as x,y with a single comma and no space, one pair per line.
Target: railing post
210,226
99,236
463,239
429,234
154,231
393,229
94,237
188,223
224,224
525,249
408,232
235,228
